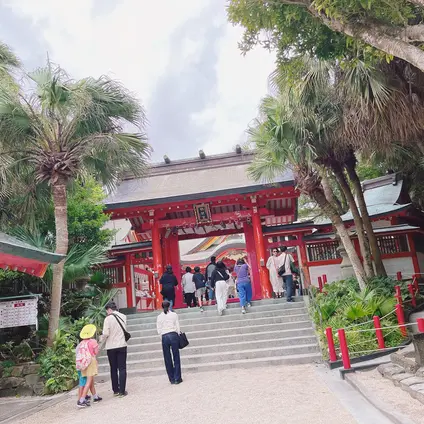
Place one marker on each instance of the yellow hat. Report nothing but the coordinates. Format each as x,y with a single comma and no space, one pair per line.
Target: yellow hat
88,331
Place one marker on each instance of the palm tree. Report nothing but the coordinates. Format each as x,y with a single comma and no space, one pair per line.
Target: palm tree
63,130
286,134
365,98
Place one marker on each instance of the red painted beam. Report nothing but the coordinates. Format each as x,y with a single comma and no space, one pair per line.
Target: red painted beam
27,266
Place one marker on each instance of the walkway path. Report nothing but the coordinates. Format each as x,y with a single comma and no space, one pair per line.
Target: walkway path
274,395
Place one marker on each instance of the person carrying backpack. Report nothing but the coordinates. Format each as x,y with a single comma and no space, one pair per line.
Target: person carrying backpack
199,281
86,364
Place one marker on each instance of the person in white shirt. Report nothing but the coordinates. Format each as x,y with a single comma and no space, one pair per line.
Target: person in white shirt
116,347
168,327
276,281
189,288
286,259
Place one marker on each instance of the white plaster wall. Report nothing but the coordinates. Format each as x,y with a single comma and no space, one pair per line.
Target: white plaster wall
332,272
420,257
121,298
404,265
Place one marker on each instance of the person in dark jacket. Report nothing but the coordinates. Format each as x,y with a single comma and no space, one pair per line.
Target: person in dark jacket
208,275
169,282
199,281
219,284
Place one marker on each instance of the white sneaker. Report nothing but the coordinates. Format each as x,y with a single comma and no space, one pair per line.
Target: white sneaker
243,310
249,305
220,313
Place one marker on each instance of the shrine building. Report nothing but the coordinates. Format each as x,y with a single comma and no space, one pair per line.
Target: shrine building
208,206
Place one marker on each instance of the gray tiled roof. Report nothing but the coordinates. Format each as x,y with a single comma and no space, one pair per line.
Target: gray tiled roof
194,179
16,247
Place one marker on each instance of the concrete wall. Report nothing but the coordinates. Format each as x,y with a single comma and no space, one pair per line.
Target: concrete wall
404,265
332,272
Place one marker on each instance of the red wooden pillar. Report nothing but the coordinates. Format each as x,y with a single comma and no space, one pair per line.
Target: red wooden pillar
157,261
174,258
128,281
253,262
304,262
260,252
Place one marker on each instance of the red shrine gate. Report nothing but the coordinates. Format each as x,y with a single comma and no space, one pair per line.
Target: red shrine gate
200,198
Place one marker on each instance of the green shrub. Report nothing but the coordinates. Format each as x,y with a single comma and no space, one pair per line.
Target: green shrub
343,305
58,363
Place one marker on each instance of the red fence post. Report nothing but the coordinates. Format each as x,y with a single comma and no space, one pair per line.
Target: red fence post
344,349
324,278
415,282
330,341
398,295
320,284
379,332
412,293
420,323
399,276
401,319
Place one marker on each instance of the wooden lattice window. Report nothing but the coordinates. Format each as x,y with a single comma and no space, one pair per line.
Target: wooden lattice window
115,275
393,244
323,251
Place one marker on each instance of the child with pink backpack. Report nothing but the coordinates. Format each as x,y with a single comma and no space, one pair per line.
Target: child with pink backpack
86,365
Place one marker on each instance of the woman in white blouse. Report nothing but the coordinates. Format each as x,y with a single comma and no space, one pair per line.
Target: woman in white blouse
169,328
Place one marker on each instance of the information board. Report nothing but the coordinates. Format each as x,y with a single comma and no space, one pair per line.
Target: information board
18,313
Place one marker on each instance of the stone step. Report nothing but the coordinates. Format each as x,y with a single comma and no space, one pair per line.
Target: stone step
210,316
302,358
273,303
243,321
212,330
189,359
149,343
217,346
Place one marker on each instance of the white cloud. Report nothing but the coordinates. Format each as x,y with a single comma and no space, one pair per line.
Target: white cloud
132,42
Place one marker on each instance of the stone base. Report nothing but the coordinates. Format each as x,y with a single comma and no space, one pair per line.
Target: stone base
22,380
411,383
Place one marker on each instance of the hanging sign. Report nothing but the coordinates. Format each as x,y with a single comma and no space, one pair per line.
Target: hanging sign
18,313
202,213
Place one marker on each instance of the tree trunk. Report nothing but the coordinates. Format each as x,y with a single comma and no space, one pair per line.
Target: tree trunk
375,249
61,222
329,193
374,35
363,243
342,199
338,224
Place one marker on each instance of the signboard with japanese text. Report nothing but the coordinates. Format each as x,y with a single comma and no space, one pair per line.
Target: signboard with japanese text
18,313
202,213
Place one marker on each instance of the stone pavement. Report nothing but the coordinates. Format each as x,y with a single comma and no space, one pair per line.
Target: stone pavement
273,395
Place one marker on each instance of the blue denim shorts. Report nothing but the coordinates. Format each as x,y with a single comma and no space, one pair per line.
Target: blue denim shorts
82,380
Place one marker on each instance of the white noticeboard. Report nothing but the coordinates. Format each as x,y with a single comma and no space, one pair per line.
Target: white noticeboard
18,313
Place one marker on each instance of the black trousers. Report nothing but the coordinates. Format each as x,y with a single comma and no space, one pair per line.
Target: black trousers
118,368
190,299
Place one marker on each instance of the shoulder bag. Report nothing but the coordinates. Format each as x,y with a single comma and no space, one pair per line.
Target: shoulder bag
126,334
282,269
183,340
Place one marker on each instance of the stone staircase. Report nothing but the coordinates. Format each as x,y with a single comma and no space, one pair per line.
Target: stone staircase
273,332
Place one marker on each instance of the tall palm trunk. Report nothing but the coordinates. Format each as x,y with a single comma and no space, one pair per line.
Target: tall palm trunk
329,193
375,249
61,222
363,242
330,211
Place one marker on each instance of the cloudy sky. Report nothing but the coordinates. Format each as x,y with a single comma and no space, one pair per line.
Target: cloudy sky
179,57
